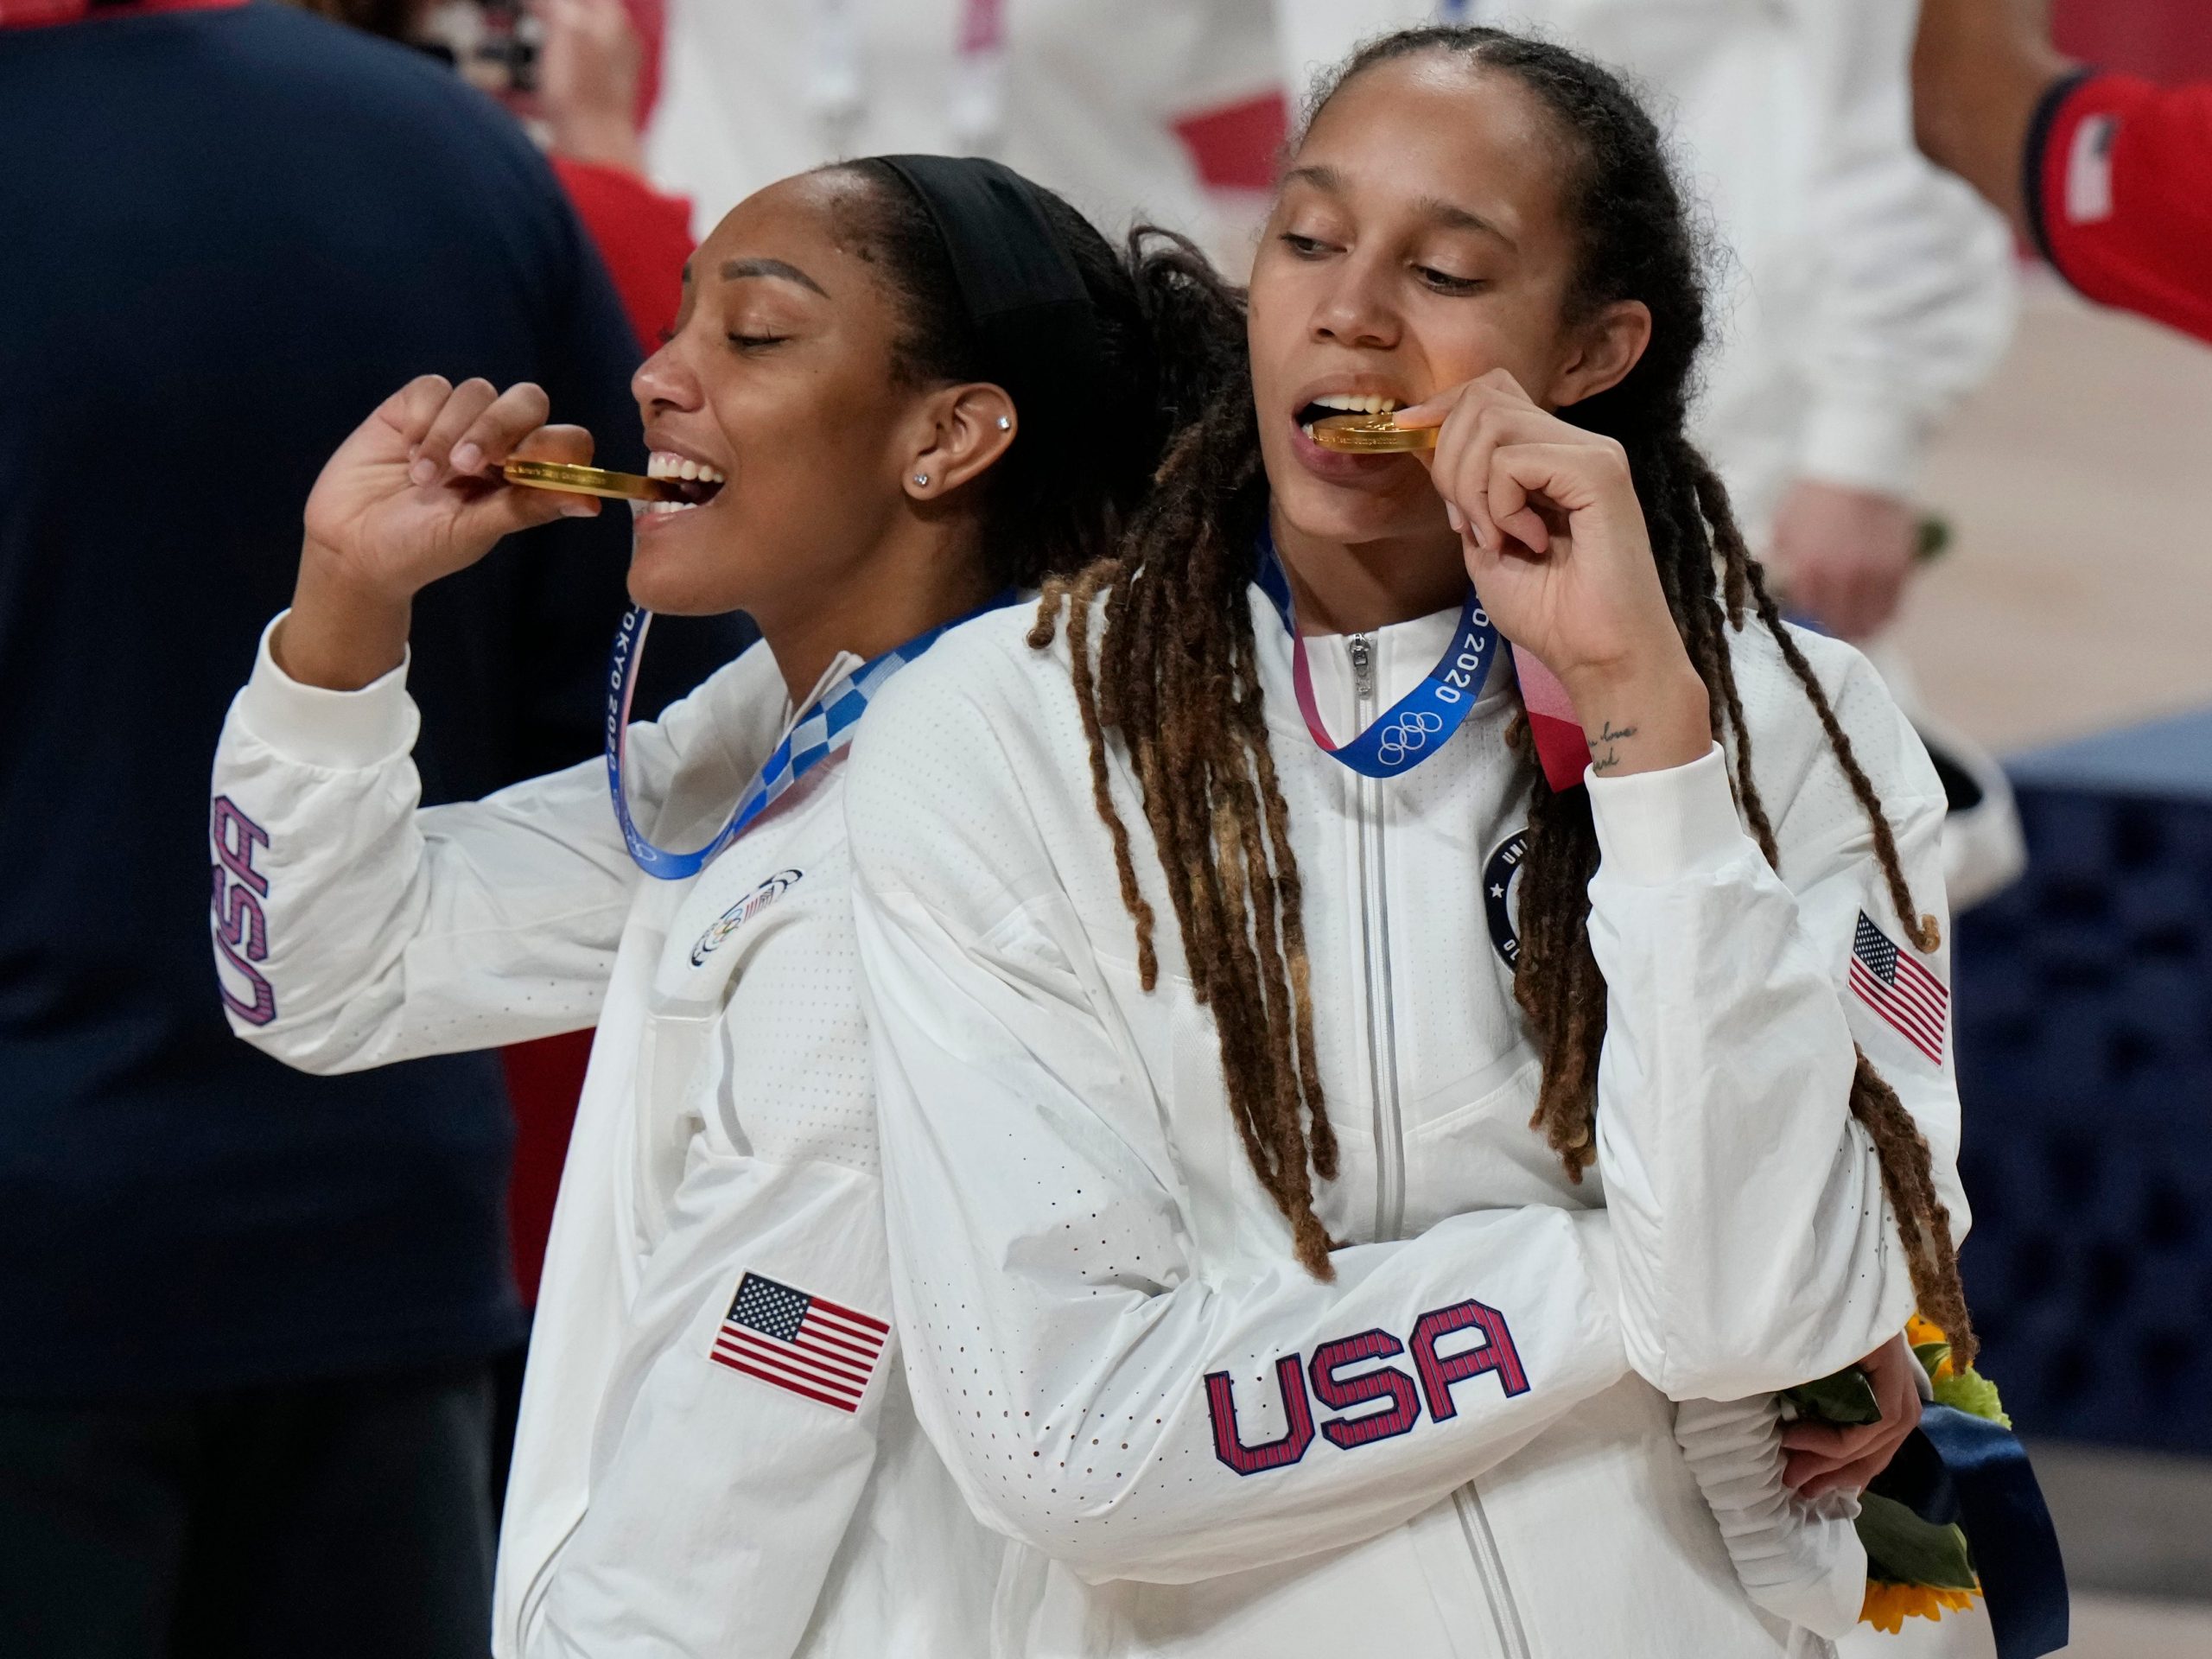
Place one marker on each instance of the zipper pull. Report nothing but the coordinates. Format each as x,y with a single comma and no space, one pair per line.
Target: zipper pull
1363,665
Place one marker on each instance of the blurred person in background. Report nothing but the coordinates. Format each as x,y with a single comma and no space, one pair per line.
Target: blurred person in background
243,1392
2108,176
1860,294
1084,98
574,71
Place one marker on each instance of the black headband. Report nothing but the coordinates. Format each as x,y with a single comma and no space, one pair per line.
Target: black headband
1019,283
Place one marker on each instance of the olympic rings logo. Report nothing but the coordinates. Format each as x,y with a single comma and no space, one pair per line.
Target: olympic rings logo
1408,736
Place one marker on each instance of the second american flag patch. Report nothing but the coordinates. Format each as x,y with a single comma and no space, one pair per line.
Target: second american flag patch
801,1342
1898,988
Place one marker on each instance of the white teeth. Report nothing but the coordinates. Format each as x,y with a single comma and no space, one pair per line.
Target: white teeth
1367,403
1308,429
665,463
669,506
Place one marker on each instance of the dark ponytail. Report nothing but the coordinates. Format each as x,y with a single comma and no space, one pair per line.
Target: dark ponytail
1167,327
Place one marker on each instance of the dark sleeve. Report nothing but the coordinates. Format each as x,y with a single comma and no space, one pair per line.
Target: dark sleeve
572,591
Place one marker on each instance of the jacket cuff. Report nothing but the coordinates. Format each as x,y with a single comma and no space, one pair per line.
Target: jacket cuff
1864,446
1656,827
311,726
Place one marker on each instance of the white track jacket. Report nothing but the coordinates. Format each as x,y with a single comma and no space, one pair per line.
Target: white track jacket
1462,1448
698,1470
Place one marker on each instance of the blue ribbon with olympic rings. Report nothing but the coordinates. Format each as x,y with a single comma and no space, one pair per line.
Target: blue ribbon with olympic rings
826,729
1419,723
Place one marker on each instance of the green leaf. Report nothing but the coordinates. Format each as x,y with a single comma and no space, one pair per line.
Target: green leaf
1930,1355
1972,1393
1846,1399
1933,539
1902,1548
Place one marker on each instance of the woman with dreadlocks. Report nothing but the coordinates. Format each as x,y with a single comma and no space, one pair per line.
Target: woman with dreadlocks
1316,1164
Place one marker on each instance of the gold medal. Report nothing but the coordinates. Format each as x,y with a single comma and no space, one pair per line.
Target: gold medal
592,481
1371,434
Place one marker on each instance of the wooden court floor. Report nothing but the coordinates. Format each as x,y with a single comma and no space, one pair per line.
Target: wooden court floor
2077,594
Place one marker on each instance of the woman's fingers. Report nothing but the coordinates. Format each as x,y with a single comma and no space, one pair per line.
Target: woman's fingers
492,436
1508,496
1485,415
568,443
1822,1456
433,452
1568,478
411,411
507,511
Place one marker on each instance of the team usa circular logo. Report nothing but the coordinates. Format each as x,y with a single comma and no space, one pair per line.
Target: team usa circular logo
743,912
1499,871
1408,736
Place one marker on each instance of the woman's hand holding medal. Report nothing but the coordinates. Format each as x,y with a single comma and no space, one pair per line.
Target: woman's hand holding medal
413,495
1555,542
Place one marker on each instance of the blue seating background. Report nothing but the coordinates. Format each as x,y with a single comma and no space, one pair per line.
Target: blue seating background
2084,1045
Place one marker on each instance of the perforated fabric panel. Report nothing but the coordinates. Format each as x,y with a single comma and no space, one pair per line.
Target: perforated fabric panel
2085,1061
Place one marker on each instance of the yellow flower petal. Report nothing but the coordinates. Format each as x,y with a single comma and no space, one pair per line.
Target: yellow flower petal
1887,1606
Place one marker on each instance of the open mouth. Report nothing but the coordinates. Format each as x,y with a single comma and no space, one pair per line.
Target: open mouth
1343,404
697,481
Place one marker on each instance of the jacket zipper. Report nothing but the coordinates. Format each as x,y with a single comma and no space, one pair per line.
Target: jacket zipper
1389,1122
1489,1567
1375,946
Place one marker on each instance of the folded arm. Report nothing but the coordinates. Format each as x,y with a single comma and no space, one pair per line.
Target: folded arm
1098,1396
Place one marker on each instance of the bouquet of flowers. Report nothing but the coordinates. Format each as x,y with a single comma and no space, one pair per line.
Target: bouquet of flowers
1915,1568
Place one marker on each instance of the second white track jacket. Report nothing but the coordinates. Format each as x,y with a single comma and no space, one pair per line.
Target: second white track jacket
1463,1447
686,1481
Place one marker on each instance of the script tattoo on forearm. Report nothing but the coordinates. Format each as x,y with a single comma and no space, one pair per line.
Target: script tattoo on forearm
1608,735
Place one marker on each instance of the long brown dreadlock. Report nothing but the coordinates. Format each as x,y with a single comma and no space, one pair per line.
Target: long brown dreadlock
1174,673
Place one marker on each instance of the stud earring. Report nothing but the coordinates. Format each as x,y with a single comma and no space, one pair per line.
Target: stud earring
1005,425
922,479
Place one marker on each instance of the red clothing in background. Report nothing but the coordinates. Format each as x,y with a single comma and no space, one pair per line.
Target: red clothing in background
2119,189
643,237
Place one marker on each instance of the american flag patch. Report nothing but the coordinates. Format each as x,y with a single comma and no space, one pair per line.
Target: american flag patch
1898,988
800,1343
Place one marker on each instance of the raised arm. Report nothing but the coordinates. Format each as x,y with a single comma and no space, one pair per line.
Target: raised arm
1757,1247
350,930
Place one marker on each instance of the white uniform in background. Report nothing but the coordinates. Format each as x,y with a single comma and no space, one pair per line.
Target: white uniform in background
696,1471
1464,1447
1080,96
1863,293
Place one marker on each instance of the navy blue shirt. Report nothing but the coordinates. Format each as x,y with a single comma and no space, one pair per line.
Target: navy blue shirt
225,236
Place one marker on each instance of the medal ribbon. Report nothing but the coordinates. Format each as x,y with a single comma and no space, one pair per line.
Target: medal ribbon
1560,745
1419,723
1959,1468
826,729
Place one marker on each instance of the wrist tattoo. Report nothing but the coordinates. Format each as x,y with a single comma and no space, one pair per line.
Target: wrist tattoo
1608,735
